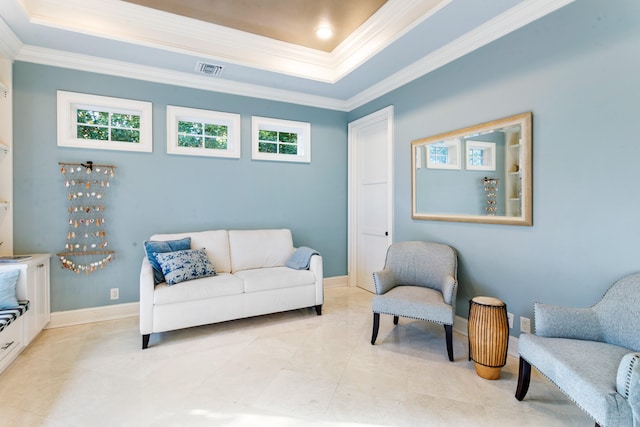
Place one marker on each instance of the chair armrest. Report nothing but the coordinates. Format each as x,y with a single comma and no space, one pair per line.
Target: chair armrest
628,383
383,281
146,297
450,291
566,322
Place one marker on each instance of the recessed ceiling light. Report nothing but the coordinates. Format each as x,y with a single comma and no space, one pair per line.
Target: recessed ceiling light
324,33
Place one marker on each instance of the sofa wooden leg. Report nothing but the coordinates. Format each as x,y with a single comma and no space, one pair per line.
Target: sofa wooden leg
395,320
448,330
524,377
145,340
319,310
376,326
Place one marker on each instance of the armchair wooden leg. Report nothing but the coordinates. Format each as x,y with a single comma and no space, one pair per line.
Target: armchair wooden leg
524,378
319,309
395,320
145,340
448,329
376,326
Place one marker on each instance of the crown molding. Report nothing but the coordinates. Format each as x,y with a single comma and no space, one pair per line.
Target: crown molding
57,58
503,24
112,19
10,44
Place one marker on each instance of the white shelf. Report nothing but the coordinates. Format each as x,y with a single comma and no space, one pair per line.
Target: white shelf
4,204
4,148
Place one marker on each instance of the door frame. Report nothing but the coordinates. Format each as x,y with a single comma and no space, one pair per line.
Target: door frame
385,114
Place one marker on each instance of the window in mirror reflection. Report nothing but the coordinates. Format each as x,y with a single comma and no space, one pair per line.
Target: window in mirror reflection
444,155
481,155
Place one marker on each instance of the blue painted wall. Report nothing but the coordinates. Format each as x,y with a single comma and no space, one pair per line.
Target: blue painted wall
578,71
158,193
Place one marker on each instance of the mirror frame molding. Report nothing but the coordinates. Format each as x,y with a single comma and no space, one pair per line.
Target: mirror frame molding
524,120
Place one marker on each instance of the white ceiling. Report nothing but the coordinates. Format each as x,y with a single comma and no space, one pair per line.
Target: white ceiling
403,40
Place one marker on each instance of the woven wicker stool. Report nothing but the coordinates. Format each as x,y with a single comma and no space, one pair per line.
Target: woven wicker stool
488,336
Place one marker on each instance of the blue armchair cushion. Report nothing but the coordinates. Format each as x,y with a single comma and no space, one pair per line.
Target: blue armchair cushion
152,247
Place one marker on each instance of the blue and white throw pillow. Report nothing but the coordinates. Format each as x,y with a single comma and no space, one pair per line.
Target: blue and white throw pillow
180,266
152,247
8,282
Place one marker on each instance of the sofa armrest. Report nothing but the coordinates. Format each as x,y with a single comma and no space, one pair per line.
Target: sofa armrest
315,265
383,281
566,322
628,383
146,297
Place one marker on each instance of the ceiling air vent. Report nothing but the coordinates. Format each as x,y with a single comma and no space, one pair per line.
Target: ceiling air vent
208,69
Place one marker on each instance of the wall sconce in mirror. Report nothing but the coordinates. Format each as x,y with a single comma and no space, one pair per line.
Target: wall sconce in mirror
498,151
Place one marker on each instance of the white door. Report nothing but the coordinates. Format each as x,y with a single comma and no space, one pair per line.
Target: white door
370,195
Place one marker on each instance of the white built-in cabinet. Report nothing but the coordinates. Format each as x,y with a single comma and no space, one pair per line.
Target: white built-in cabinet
513,182
33,285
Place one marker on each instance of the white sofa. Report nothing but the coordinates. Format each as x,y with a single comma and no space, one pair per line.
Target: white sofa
251,279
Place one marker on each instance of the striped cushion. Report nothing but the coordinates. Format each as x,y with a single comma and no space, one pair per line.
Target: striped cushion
9,315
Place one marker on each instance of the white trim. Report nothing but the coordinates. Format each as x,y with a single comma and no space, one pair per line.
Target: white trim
386,114
302,129
111,19
231,120
60,319
335,282
69,102
509,21
505,23
94,64
10,44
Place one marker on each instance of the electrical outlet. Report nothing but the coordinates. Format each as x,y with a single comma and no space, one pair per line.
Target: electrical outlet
510,317
525,325
115,294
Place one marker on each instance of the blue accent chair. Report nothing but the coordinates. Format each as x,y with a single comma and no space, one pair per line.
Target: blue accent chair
591,354
419,281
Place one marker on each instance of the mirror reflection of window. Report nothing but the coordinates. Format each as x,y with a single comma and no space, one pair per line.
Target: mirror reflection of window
444,154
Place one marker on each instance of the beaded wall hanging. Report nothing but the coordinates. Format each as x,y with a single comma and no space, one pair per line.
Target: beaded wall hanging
491,193
85,250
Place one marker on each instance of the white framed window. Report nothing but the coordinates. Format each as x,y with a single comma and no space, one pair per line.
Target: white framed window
280,140
444,154
197,132
481,155
92,121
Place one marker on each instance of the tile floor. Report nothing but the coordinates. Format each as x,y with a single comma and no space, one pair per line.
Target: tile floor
286,369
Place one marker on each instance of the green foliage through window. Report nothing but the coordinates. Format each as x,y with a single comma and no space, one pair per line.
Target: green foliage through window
270,141
202,135
107,126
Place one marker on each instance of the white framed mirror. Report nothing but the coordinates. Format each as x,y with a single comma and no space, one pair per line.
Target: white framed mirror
481,173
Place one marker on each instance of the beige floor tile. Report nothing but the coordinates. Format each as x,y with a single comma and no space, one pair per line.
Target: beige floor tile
286,369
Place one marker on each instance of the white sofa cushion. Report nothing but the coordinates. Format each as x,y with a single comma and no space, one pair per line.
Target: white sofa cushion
259,248
198,289
215,242
263,279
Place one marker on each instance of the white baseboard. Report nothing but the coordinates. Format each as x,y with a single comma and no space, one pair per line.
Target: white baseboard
335,282
60,319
